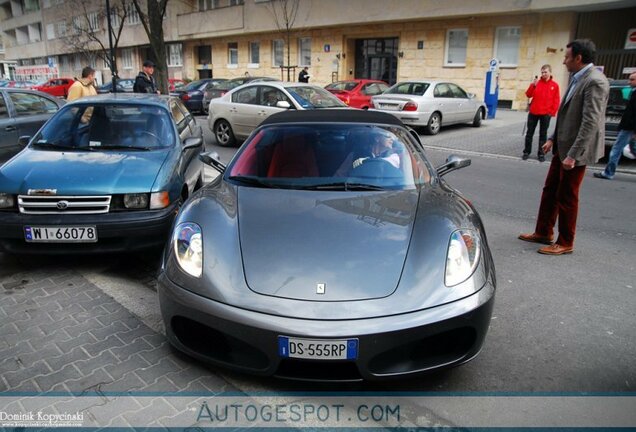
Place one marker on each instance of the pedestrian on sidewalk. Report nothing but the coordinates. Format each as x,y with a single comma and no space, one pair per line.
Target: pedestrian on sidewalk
545,96
145,81
579,139
626,133
84,86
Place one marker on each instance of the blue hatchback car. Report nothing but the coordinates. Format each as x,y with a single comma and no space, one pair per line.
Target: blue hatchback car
105,174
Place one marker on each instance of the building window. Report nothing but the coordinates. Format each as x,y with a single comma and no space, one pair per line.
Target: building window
114,19
208,5
255,56
456,43
507,45
1,46
35,32
50,31
31,6
127,58
278,52
232,53
61,28
204,54
93,21
174,54
304,51
77,25
78,62
132,17
236,2
46,4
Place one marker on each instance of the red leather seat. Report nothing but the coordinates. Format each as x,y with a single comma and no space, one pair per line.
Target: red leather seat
293,157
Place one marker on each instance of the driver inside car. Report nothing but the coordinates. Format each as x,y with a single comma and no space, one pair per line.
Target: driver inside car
381,147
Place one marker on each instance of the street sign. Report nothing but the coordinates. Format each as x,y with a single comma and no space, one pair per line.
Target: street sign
630,41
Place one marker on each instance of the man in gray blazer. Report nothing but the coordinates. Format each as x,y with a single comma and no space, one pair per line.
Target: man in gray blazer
579,139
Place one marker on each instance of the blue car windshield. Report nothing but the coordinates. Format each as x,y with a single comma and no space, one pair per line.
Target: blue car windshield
339,157
93,127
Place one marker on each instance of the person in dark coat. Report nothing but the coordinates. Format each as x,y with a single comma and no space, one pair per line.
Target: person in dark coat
626,134
145,82
303,76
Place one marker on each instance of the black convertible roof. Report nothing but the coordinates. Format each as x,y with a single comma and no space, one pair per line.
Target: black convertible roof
343,115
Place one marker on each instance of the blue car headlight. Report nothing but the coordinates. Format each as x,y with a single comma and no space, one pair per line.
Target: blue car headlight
188,248
462,257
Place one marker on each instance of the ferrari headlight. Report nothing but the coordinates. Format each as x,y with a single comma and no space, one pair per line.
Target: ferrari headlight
462,256
6,200
188,248
136,201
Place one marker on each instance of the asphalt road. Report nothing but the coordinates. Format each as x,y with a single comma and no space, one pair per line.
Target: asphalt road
560,324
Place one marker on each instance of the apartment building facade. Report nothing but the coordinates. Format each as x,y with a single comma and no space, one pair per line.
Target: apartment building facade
385,39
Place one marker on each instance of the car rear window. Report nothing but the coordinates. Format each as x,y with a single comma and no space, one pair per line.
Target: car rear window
408,88
342,85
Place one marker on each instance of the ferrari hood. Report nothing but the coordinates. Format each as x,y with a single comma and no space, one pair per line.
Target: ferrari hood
324,246
82,172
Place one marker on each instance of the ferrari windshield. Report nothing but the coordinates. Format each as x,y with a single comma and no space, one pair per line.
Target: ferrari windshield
91,127
334,156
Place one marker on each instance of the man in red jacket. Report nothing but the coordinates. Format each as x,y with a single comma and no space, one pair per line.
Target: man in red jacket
545,104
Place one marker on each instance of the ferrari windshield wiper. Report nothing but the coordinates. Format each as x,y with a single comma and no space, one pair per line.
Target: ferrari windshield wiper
252,181
347,186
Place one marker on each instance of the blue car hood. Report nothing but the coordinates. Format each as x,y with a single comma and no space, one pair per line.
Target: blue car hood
98,172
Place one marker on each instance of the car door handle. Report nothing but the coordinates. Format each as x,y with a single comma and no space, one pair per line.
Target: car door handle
10,128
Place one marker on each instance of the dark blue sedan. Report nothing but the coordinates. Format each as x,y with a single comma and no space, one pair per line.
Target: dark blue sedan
106,173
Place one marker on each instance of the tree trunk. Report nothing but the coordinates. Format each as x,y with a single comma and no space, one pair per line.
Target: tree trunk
153,25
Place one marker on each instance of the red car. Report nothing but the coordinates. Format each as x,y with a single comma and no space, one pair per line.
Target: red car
175,84
357,93
56,86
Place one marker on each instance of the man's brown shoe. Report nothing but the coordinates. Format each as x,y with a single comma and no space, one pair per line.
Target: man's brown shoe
556,249
534,238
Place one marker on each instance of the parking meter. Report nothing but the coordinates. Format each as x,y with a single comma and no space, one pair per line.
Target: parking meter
491,96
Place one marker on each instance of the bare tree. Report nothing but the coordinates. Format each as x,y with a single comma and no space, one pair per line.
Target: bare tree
284,13
152,21
85,35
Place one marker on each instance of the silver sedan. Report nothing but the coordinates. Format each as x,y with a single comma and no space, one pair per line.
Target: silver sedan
237,113
430,104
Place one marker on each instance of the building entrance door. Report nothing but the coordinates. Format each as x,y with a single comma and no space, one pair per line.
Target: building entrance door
377,59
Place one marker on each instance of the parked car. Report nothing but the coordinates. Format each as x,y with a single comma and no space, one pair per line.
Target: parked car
56,86
617,102
357,93
236,114
175,84
105,174
218,90
124,85
20,84
192,94
22,112
284,267
430,104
